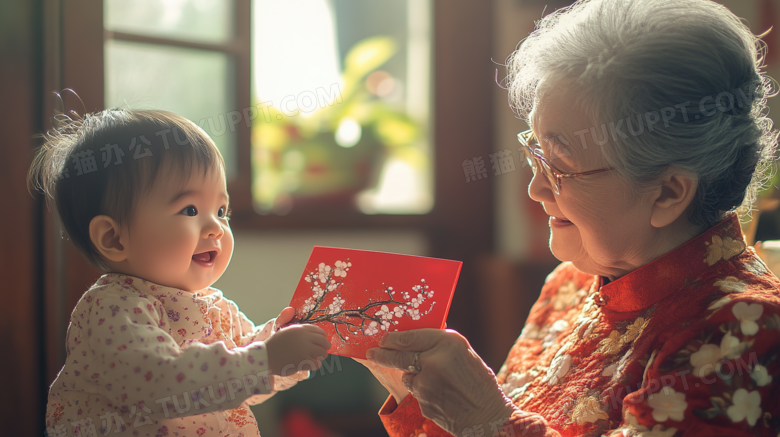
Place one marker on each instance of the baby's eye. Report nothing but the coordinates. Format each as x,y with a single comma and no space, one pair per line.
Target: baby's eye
190,211
224,214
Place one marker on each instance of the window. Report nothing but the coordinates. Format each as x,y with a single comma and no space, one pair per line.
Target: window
343,91
178,56
323,107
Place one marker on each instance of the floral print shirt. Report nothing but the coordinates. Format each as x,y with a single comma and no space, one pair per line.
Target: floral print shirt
148,360
686,345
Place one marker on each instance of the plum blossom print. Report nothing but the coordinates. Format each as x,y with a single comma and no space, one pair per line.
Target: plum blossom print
375,316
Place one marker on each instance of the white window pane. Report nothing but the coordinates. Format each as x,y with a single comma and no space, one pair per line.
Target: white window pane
195,84
191,20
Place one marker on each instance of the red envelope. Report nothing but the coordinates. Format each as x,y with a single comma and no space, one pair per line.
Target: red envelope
357,295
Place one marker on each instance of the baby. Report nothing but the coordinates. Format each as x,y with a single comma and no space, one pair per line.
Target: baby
153,349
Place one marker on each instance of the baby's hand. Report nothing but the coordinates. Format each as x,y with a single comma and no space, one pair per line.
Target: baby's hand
295,348
284,318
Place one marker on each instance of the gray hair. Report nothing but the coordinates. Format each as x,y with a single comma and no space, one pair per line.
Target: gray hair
691,63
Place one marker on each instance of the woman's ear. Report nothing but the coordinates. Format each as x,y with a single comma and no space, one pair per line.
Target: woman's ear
106,236
673,196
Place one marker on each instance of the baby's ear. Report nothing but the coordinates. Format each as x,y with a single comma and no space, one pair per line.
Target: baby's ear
105,234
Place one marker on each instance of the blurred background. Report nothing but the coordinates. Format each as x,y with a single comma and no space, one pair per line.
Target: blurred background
349,123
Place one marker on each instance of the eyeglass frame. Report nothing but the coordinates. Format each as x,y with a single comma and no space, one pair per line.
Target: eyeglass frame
524,138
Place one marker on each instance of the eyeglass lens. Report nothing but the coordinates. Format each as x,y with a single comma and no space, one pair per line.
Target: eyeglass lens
536,163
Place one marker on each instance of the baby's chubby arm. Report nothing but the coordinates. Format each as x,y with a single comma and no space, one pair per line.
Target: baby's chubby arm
250,333
132,361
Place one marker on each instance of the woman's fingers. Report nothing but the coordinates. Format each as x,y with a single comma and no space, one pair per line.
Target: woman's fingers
417,340
392,358
408,381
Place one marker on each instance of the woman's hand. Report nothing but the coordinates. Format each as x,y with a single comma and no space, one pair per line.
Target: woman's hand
454,387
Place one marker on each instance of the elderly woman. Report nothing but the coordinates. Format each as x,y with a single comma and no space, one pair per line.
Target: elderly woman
648,133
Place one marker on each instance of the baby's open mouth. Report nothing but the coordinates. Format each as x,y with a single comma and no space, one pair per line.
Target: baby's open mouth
205,257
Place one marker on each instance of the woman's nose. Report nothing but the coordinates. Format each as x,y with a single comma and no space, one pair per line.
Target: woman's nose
539,188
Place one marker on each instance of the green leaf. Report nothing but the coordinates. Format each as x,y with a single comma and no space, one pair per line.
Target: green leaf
710,413
719,403
368,55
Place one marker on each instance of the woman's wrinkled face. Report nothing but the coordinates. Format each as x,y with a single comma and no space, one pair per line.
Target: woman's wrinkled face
179,234
596,222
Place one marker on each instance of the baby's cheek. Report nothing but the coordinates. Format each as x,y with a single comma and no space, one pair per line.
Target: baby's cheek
170,249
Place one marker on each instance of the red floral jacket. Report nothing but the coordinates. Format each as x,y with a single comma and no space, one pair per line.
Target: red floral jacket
686,345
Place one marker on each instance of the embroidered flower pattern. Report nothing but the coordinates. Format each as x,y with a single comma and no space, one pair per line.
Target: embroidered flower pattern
730,284
706,360
615,341
555,330
588,409
609,370
747,405
633,330
747,316
566,296
756,266
612,344
723,249
760,375
594,348
558,369
668,404
585,326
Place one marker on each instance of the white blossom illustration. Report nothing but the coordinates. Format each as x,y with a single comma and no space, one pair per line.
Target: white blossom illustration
370,319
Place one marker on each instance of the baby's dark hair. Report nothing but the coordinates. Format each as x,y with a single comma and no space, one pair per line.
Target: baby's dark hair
103,163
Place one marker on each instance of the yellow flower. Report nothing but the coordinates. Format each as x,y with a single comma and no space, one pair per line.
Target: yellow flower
634,330
611,344
588,409
723,248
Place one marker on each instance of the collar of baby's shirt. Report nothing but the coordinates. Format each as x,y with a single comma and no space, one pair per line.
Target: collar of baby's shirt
188,314
169,296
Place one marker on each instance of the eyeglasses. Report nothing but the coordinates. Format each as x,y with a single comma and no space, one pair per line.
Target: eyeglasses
536,160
